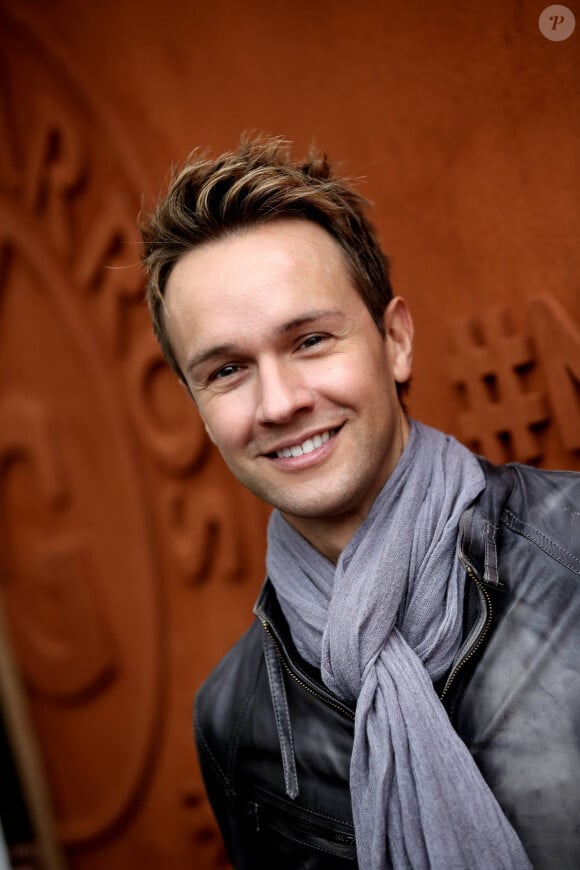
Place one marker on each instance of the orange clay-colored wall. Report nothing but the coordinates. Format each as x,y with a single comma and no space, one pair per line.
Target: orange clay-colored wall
129,559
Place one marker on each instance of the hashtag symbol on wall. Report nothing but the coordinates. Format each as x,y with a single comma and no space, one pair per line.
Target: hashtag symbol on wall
490,369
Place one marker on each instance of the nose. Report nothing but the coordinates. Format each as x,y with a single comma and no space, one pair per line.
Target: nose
283,392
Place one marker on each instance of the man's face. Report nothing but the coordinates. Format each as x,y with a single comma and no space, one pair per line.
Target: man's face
294,381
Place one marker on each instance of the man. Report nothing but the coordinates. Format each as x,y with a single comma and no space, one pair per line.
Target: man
409,694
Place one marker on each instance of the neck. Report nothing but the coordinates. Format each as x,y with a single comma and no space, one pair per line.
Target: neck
328,536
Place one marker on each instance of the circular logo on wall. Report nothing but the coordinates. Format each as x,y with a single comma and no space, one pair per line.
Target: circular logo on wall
77,577
557,23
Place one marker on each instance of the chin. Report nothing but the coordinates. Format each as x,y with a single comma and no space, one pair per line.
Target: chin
329,506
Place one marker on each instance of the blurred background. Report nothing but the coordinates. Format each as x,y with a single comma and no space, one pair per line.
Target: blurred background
129,559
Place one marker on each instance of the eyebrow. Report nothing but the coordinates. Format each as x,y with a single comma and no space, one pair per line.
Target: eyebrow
221,350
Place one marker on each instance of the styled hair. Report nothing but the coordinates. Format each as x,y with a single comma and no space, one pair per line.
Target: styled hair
258,183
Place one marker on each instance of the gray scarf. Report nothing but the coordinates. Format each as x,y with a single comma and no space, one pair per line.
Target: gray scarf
382,626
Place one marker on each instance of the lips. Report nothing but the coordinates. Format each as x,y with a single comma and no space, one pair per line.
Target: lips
306,446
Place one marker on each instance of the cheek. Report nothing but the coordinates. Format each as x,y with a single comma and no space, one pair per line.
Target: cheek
351,379
228,423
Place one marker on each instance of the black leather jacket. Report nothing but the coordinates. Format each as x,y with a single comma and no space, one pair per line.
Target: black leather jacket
513,695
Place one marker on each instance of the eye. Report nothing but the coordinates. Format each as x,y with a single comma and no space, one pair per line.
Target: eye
312,341
224,372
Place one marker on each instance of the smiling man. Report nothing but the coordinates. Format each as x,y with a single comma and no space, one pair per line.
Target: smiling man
402,699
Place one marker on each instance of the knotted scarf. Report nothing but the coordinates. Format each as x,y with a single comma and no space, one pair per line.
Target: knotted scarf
382,626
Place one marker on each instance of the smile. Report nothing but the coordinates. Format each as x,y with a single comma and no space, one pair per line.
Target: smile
306,446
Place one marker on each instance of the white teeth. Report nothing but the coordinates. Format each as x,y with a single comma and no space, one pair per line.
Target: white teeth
306,447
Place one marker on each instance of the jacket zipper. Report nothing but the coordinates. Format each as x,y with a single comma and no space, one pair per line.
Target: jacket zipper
337,706
478,640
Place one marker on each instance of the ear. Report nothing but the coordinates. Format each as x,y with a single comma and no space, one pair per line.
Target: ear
399,333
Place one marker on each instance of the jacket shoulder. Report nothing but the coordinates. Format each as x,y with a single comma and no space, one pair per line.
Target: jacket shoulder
542,506
523,532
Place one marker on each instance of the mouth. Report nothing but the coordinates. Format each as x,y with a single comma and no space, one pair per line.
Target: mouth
303,447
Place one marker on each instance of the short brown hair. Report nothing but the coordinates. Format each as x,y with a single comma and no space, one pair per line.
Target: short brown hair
258,183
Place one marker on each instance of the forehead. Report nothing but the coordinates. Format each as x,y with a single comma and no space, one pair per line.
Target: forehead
298,247
257,276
